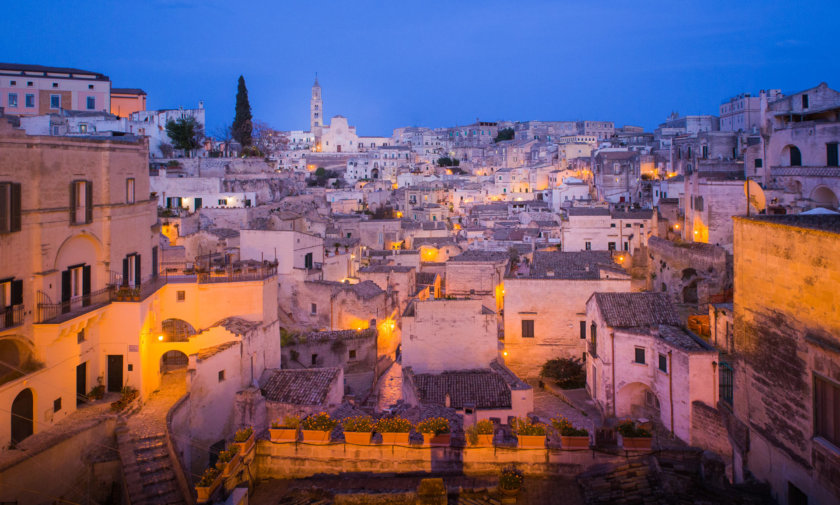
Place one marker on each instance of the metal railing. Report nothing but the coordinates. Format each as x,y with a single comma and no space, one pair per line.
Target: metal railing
727,383
11,316
57,312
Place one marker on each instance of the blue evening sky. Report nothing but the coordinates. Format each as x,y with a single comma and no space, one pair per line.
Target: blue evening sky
436,63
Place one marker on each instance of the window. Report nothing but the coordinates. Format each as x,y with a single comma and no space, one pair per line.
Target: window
12,83
758,163
91,103
10,208
30,83
129,190
663,362
314,359
805,104
13,100
81,202
222,202
30,100
583,330
827,409
627,246
352,353
593,334
180,296
313,309
795,157
640,356
57,404
611,246
612,225
55,85
90,86
588,246
76,278
831,154
83,127
628,225
307,261
80,336
55,101
221,375
131,270
527,328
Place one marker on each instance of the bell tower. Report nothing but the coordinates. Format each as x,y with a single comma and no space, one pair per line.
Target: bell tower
316,108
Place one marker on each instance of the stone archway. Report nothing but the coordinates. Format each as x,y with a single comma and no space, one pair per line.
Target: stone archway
23,412
173,360
177,330
823,196
637,400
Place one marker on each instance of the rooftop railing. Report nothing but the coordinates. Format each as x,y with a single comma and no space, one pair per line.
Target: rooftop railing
11,317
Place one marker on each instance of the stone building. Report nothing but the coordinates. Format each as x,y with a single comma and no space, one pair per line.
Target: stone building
301,392
642,364
545,305
786,358
477,274
690,273
617,173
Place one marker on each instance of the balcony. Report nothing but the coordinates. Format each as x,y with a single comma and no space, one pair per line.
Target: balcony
53,313
11,317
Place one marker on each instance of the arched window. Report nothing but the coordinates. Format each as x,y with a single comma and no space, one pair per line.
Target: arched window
795,157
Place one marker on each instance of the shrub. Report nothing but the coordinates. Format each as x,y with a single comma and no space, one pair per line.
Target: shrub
227,456
628,428
243,435
358,424
484,427
510,478
288,422
524,426
436,425
567,372
567,429
208,477
393,425
319,422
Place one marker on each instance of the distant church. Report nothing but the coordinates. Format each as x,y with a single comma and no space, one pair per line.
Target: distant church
338,136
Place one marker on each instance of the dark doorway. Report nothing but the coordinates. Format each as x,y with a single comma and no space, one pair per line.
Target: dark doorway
115,372
22,412
796,496
81,383
690,293
197,203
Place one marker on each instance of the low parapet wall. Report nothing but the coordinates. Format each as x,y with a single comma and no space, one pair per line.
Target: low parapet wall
298,460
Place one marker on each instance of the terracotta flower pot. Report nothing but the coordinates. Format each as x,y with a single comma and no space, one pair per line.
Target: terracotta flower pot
510,492
246,446
531,441
394,438
571,443
203,493
432,440
231,467
635,443
484,440
282,435
315,436
357,437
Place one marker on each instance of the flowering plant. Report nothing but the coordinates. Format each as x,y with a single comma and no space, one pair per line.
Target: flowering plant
510,478
436,425
567,429
358,424
524,426
393,425
319,422
628,428
484,427
208,477
288,422
243,435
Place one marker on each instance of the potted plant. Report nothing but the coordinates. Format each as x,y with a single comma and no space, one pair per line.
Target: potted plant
632,437
228,461
530,434
435,431
481,434
285,430
316,428
394,430
210,480
571,437
357,430
244,438
135,294
510,480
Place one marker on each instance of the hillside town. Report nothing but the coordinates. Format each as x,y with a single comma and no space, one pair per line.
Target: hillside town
492,312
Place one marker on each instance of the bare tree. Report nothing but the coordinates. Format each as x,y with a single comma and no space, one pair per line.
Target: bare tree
267,139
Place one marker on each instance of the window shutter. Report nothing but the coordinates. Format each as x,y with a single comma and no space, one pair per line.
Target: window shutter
73,202
4,208
17,292
86,280
137,270
89,202
65,286
15,206
125,272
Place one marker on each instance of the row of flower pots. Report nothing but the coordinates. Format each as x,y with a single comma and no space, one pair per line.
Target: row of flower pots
227,465
317,428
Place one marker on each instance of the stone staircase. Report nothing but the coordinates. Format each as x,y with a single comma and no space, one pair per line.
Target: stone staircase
150,478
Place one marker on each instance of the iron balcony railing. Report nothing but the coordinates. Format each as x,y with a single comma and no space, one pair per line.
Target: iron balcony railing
11,316
49,312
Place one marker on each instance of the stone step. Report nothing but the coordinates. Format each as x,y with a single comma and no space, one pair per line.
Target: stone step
150,457
150,443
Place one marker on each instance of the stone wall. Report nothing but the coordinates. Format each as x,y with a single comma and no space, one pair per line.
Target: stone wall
688,272
708,430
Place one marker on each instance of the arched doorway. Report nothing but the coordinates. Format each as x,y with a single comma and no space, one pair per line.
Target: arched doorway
10,360
637,400
791,156
824,197
22,416
374,174
173,360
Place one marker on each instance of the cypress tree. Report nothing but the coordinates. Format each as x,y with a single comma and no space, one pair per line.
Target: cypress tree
241,127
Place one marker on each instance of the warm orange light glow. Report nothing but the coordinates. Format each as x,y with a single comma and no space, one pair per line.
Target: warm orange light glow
677,226
398,213
504,353
160,338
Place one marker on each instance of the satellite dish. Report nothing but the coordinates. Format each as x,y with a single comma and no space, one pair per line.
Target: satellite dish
755,195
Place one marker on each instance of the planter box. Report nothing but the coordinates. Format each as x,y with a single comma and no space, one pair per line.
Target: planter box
282,435
315,436
231,467
203,493
395,439
358,437
485,440
246,446
571,443
635,443
432,440
531,441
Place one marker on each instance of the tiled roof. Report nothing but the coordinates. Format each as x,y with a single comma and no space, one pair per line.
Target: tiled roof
631,310
299,387
484,388
381,269
19,67
127,91
588,211
209,352
569,265
424,278
676,337
476,255
632,214
824,222
336,335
